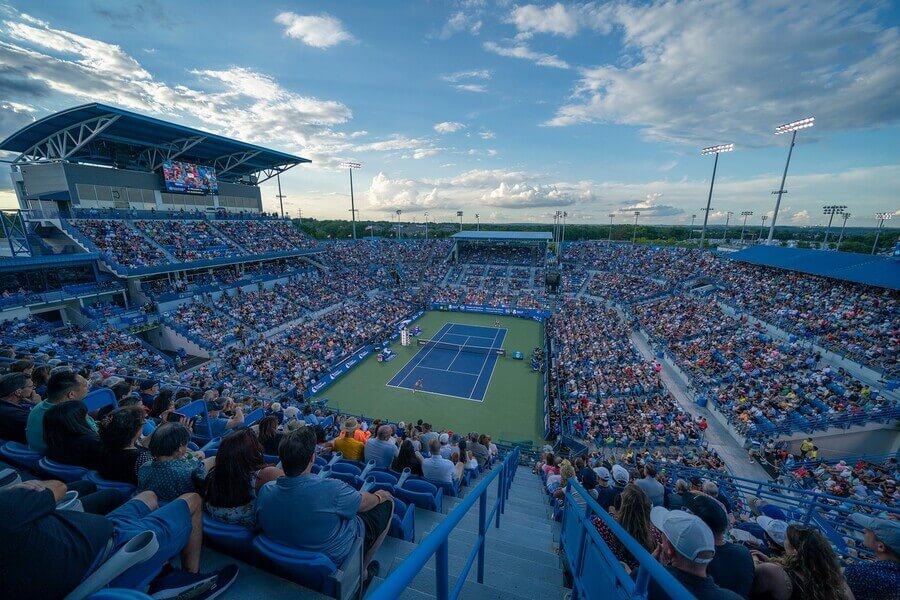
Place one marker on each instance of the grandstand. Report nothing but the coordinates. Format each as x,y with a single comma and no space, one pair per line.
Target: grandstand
764,379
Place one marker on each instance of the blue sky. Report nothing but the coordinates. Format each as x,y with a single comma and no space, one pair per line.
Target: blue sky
510,110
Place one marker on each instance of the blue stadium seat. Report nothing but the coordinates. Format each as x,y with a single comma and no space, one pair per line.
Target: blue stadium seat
450,489
421,493
382,481
57,470
321,461
234,540
100,398
403,521
126,489
119,594
344,466
21,455
272,459
313,569
351,480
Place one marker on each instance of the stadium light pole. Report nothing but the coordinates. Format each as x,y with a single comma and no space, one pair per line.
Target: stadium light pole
745,214
831,210
727,219
793,128
459,214
399,212
350,166
691,236
426,226
611,217
846,216
280,196
637,213
706,152
563,238
477,222
881,217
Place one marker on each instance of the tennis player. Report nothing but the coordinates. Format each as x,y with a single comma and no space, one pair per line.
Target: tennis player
418,385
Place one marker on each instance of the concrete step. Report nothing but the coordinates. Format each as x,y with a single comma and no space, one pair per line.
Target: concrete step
531,548
253,583
537,522
425,582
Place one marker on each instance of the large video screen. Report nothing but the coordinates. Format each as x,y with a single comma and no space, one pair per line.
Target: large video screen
188,178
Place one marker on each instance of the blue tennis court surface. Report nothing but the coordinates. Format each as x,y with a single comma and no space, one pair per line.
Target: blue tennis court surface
452,372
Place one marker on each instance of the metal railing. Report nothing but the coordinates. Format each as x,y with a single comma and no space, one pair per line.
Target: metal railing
596,572
437,543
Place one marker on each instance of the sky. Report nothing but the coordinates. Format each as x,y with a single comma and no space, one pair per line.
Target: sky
508,110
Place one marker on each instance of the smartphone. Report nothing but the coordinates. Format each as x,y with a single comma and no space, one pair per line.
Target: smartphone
174,417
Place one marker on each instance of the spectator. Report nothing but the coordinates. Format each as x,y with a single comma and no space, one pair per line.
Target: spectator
219,424
382,448
16,396
878,579
149,389
606,494
63,386
687,548
40,376
69,438
346,443
268,435
451,447
232,485
651,486
427,435
479,450
407,458
589,482
174,471
162,403
633,514
334,515
732,567
33,535
681,497
710,488
121,456
440,469
809,569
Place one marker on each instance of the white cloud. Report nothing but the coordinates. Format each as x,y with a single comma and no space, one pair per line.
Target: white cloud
386,194
477,88
318,31
800,218
523,195
459,22
466,81
486,134
448,127
522,51
691,72
648,207
553,19
420,153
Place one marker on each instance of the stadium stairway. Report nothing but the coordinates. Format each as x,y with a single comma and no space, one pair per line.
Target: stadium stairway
169,256
520,557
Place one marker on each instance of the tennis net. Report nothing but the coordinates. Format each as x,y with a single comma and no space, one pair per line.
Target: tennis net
461,347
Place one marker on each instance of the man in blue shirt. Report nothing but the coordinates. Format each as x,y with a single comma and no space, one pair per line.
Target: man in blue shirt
219,422
381,448
878,579
317,514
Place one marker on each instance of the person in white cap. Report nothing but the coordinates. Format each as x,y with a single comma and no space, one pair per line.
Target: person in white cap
878,579
687,548
606,494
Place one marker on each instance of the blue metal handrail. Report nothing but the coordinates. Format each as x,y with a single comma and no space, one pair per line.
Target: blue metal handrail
438,543
596,572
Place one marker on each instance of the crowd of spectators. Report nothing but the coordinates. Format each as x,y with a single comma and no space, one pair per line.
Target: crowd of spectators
122,244
188,240
866,480
626,289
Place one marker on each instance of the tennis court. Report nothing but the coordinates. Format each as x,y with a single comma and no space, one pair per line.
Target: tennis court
457,361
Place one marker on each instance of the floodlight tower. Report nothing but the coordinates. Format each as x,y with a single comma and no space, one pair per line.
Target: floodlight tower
459,214
350,166
727,219
846,216
477,222
399,212
881,217
693,218
637,213
280,196
426,226
611,217
564,215
745,214
831,210
706,152
763,228
781,129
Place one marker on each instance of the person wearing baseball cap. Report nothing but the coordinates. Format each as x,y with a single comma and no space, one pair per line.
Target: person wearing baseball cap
687,549
878,579
732,567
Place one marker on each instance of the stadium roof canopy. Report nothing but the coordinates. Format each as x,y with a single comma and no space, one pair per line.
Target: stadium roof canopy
99,134
503,236
879,271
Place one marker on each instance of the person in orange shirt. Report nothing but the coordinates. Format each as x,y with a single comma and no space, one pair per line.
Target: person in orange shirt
346,443
362,436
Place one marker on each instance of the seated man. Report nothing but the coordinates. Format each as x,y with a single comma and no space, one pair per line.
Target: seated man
440,469
219,422
34,534
17,396
347,443
317,514
381,448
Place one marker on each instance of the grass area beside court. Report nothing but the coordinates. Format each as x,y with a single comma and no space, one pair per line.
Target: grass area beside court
513,405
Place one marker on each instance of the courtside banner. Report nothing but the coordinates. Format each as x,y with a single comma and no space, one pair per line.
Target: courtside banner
338,371
525,313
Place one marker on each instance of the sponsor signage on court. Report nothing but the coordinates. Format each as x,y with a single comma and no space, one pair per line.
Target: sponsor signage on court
525,313
338,371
